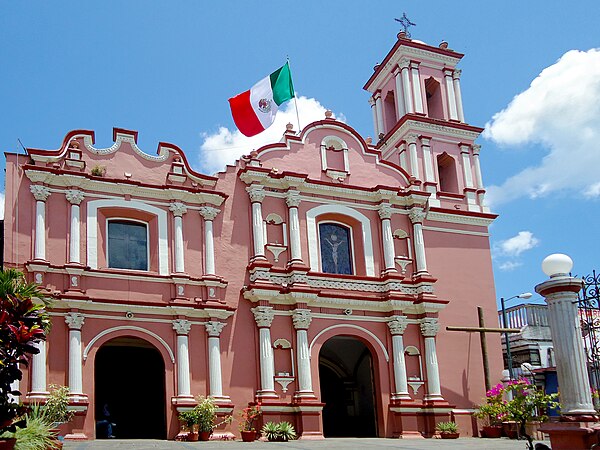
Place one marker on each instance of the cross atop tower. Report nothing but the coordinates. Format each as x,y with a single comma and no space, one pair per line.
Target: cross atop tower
405,23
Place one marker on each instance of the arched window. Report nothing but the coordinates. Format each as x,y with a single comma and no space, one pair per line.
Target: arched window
447,173
389,107
434,98
336,248
127,245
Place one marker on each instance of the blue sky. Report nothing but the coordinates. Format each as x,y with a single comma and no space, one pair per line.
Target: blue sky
167,69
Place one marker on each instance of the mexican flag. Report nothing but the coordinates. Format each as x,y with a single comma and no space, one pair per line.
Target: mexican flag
254,111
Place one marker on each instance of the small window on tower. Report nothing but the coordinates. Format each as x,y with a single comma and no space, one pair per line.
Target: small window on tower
389,111
447,173
434,98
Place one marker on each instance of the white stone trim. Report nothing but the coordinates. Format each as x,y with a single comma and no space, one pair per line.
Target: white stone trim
92,230
434,216
132,328
450,230
313,241
356,327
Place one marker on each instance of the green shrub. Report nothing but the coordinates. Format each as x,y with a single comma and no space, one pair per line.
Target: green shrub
56,409
447,427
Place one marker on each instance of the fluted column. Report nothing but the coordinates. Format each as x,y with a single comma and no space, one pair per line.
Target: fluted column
417,216
379,107
263,315
416,84
292,199
400,105
385,214
478,177
75,322
209,213
301,319
41,194
213,329
411,140
429,328
39,388
397,326
458,95
257,195
374,112
182,328
178,210
427,158
402,156
560,292
450,94
75,198
408,98
466,163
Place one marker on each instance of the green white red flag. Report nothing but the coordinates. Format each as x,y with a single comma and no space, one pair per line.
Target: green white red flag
254,111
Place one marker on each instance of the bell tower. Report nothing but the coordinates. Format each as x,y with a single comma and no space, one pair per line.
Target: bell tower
420,124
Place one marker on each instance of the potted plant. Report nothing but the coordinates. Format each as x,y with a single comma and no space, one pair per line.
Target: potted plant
270,431
247,418
447,430
98,171
56,409
37,433
492,412
190,420
206,409
281,432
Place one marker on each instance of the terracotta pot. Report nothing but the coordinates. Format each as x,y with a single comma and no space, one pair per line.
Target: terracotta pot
491,431
249,436
7,444
449,435
192,436
204,435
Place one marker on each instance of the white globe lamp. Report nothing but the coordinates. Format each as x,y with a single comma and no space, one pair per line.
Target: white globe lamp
557,265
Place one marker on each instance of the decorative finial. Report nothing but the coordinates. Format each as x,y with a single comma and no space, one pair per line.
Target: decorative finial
289,127
328,114
443,45
405,23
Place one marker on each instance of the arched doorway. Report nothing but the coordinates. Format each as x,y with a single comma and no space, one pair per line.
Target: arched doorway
347,388
130,379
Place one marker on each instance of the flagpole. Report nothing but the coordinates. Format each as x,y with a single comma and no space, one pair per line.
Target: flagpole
295,101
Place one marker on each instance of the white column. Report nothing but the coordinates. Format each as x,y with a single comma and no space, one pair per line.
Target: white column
209,213
416,84
75,322
417,215
427,161
214,328
411,140
458,95
466,163
385,214
375,123
408,98
39,387
400,105
478,177
397,325
182,328
178,210
263,315
450,94
257,195
74,197
560,292
301,319
379,107
429,328
41,194
292,200
402,156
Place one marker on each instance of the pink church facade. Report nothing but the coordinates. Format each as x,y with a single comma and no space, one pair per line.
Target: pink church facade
315,276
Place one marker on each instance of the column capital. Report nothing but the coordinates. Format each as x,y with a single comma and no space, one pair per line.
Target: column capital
40,193
178,209
464,148
417,215
301,319
411,139
448,72
371,101
74,320
414,65
208,212
74,196
256,192
214,328
404,63
429,326
456,74
397,324
476,149
425,140
385,211
182,326
263,315
292,199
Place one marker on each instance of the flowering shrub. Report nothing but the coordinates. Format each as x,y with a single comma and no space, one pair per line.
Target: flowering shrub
493,410
248,416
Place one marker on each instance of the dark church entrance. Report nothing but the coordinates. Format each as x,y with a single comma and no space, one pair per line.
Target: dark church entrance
130,380
347,388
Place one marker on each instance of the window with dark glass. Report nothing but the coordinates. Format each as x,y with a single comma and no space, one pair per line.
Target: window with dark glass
336,253
127,245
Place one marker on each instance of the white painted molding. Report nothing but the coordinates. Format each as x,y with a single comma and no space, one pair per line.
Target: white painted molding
356,327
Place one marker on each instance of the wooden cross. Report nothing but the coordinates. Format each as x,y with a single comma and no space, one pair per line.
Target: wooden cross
482,330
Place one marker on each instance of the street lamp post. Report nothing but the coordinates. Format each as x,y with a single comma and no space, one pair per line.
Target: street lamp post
524,295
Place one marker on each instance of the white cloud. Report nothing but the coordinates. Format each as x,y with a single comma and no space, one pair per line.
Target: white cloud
225,146
514,246
509,265
561,111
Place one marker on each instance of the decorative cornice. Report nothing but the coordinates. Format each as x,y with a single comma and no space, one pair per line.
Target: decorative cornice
385,211
437,216
74,320
301,319
263,315
292,199
256,193
182,326
214,328
40,193
178,209
74,197
429,326
417,215
397,324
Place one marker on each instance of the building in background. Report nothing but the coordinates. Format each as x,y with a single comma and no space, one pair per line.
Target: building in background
316,275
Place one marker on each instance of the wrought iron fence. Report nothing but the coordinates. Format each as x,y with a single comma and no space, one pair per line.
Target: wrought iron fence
589,313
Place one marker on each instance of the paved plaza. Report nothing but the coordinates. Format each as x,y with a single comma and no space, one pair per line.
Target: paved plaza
327,444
